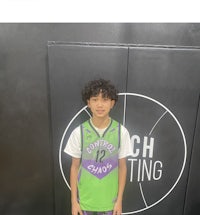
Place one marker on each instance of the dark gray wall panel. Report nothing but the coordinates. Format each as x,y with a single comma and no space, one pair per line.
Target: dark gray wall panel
163,74
70,67
25,152
192,204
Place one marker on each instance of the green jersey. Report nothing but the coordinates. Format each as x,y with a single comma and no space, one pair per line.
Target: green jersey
98,175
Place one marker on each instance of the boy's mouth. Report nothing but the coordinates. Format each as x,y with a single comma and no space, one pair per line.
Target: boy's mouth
100,111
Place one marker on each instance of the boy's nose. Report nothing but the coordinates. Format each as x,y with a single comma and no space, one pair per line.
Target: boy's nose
100,103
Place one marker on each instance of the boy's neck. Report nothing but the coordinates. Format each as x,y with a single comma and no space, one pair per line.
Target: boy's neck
101,122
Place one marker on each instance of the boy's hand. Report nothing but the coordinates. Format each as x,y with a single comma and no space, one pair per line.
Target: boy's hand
76,209
117,208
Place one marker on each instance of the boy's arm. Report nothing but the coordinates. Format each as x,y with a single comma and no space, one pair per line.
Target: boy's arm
73,183
122,181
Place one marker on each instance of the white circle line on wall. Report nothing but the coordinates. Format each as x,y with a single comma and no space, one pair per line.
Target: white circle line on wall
145,97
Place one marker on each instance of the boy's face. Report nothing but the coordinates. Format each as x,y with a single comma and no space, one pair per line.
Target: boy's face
99,106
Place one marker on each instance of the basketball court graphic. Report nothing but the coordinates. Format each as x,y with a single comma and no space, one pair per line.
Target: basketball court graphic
158,144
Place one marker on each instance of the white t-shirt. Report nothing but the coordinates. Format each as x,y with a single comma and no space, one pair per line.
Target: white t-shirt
73,146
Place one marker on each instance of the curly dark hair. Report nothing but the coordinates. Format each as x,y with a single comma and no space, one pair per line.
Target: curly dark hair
93,88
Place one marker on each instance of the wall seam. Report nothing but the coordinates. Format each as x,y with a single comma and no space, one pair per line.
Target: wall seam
50,130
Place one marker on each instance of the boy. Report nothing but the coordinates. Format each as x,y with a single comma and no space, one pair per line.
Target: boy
99,148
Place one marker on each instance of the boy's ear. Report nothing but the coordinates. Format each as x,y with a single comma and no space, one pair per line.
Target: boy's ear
88,103
113,103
